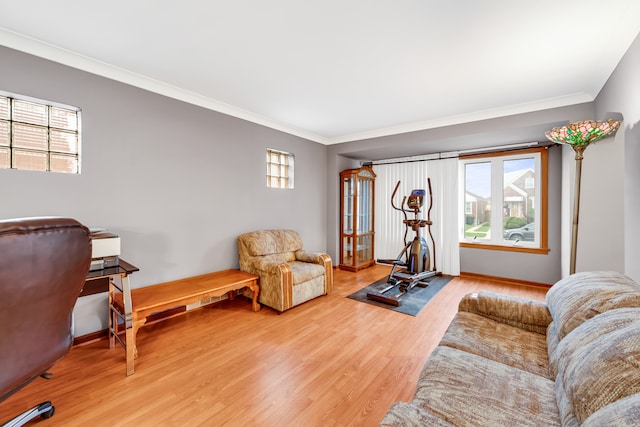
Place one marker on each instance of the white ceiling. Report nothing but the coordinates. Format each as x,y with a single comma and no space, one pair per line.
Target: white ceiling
339,70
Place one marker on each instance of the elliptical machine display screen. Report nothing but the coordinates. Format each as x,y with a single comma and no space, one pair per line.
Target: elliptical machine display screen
415,200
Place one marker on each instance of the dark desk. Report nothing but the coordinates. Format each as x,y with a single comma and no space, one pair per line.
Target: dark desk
123,268
98,280
117,281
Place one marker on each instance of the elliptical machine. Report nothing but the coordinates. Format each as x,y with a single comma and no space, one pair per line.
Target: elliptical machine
413,265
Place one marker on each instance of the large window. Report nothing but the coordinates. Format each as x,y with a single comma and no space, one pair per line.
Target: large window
504,199
37,136
279,169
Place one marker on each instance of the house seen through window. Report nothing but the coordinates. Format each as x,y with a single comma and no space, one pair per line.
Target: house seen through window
35,135
503,199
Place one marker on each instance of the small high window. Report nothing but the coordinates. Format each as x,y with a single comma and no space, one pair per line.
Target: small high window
279,169
36,135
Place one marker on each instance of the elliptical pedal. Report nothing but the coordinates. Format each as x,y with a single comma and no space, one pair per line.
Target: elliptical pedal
391,300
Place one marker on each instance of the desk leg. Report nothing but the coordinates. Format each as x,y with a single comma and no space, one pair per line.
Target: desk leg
113,317
128,323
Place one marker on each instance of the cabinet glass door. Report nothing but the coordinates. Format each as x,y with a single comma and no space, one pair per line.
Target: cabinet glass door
365,220
348,206
356,216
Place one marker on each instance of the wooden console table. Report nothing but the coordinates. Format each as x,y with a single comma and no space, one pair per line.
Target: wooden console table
158,298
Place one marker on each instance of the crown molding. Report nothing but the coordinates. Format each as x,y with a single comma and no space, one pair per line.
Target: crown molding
66,57
544,104
81,62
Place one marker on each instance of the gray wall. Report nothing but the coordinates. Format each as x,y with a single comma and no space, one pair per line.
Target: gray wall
177,182
611,238
506,130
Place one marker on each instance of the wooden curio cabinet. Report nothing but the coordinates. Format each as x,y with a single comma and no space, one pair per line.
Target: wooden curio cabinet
356,218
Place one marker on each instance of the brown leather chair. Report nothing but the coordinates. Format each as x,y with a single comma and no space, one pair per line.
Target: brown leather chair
43,267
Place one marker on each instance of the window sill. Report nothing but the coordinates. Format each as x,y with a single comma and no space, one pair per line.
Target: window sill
542,251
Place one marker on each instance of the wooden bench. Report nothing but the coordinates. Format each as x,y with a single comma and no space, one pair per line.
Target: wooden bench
158,298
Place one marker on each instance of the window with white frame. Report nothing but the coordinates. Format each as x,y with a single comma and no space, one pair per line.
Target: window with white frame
504,196
468,209
40,136
279,169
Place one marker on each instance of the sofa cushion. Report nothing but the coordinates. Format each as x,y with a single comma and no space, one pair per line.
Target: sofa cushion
465,389
519,312
586,333
404,414
621,413
582,296
497,341
600,371
552,341
266,242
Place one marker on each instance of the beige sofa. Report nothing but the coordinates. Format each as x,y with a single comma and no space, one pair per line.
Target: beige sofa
288,274
504,361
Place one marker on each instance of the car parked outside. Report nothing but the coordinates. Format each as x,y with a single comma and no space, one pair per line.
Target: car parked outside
524,234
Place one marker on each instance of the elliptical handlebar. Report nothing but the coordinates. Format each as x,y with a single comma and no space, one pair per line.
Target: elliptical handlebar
430,200
393,196
393,205
401,209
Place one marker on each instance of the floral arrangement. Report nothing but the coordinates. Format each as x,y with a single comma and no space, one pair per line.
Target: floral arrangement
583,133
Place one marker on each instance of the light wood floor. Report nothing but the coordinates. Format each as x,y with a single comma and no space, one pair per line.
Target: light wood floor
329,362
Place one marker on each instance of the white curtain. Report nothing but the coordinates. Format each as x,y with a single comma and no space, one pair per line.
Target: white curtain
389,229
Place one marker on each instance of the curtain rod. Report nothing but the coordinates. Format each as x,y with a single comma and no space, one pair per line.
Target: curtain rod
455,154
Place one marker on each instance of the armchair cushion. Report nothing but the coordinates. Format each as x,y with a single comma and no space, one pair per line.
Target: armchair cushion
305,271
268,242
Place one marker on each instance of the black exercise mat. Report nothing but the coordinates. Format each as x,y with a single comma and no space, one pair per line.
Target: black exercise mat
411,302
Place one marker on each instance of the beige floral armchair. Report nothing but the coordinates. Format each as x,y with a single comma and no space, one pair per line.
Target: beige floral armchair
288,274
